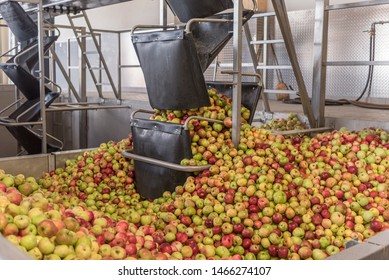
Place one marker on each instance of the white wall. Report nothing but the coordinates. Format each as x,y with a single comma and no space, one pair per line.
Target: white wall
293,5
119,17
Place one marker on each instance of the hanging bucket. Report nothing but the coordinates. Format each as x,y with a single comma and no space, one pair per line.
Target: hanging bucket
188,9
173,76
158,150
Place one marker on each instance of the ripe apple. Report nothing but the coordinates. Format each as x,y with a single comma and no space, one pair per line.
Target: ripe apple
29,241
65,237
46,246
62,251
21,221
83,251
47,228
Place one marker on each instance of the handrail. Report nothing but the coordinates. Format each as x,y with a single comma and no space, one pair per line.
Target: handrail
54,84
54,138
74,107
17,57
7,52
11,105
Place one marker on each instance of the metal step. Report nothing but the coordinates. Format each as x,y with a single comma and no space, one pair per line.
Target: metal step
26,83
272,91
81,44
275,67
262,42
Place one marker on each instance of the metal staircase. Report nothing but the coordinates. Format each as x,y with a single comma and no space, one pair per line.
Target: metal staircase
20,69
94,70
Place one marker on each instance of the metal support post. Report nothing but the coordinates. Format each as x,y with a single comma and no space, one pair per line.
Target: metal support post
119,34
283,20
42,76
83,115
319,57
237,69
162,12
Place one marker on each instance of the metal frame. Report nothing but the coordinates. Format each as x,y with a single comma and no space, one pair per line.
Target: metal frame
82,104
237,75
283,20
264,65
322,9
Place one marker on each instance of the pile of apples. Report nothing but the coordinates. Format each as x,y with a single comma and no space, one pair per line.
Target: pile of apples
272,197
292,122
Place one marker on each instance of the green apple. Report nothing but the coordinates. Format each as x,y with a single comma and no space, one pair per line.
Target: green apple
54,215
118,253
21,221
35,212
65,237
35,253
318,254
83,251
8,180
84,240
12,209
337,218
324,241
368,216
29,242
36,220
26,189
222,251
332,250
62,251
30,229
102,222
46,246
52,257
105,250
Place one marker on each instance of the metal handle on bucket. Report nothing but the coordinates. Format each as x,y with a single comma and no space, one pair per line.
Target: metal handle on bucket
211,20
260,83
140,111
153,26
177,167
199,118
186,121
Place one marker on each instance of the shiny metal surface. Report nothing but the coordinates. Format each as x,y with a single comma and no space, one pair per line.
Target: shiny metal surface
71,6
10,252
320,41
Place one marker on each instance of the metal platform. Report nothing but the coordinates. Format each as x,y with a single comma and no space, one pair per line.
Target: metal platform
65,7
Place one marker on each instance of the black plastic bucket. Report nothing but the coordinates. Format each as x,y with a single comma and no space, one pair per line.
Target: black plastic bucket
161,141
188,9
251,93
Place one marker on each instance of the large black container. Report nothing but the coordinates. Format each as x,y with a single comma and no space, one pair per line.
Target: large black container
162,141
173,75
19,22
188,9
251,93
